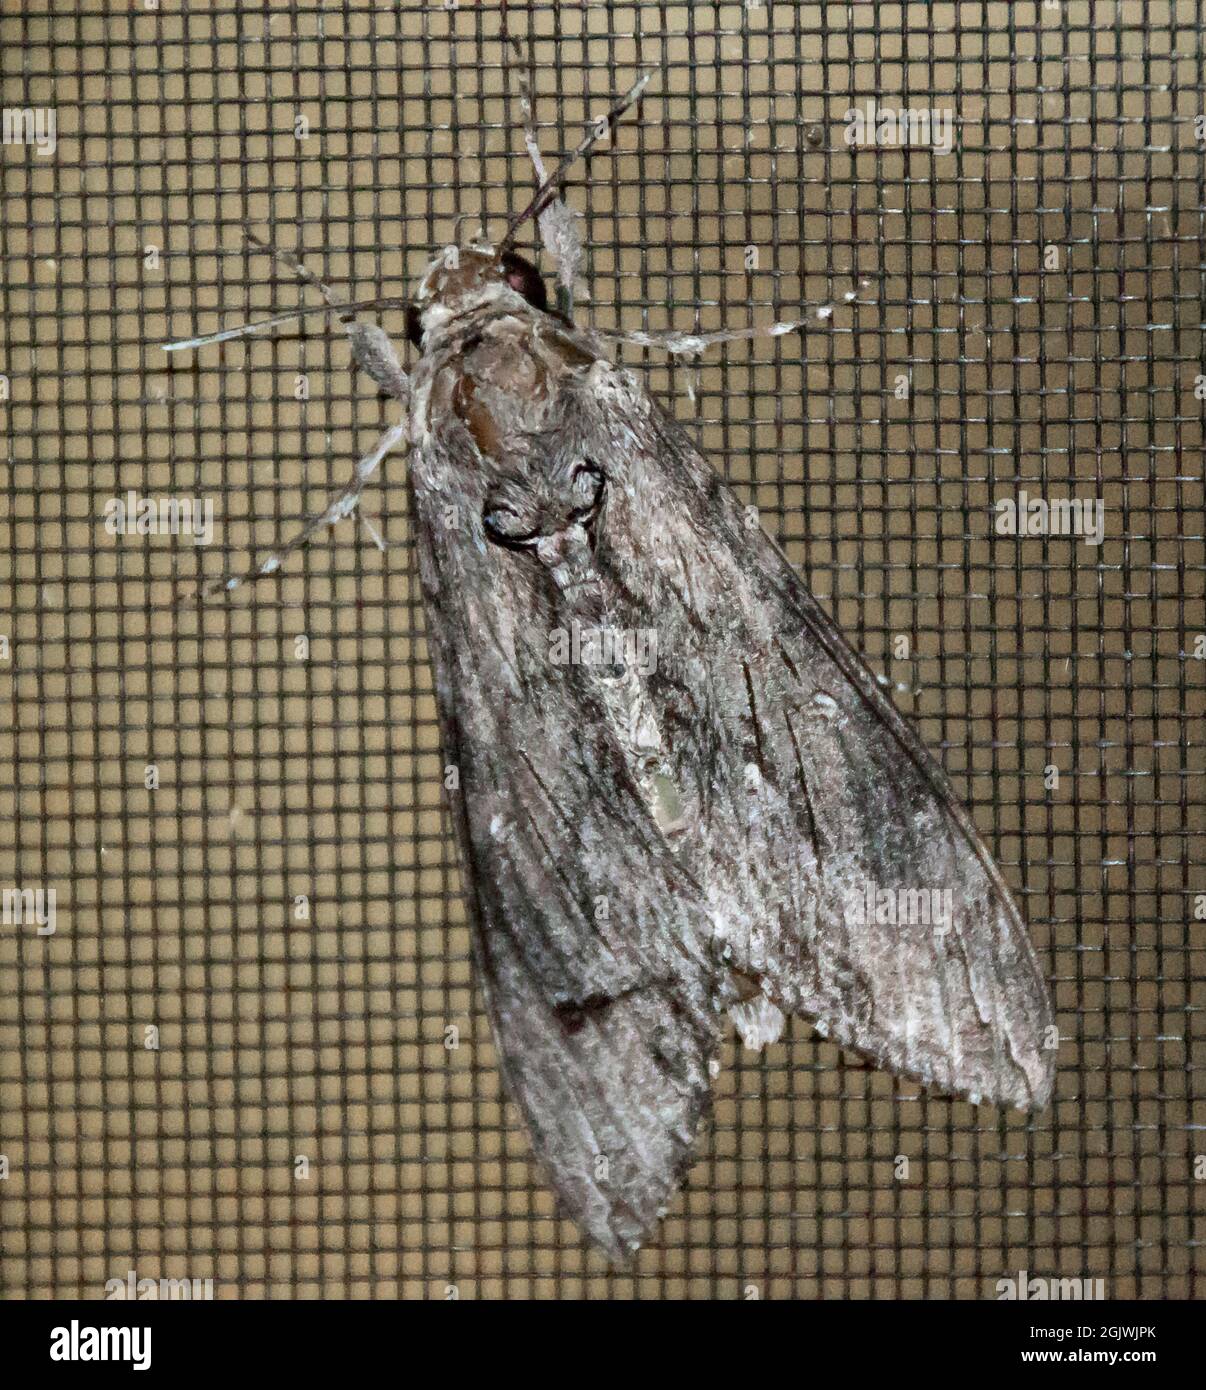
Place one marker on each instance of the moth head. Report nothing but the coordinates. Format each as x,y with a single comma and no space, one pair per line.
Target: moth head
464,278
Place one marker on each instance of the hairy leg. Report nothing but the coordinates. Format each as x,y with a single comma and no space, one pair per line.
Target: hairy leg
343,504
371,347
374,353
557,221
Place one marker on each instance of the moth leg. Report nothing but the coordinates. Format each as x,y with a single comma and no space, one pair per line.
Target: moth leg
291,261
371,347
690,344
343,504
557,221
371,526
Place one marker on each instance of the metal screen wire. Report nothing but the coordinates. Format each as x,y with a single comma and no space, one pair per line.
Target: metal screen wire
231,1058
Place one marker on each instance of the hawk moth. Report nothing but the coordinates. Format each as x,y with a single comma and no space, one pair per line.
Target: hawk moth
739,826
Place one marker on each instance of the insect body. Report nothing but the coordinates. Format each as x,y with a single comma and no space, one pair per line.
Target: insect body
682,798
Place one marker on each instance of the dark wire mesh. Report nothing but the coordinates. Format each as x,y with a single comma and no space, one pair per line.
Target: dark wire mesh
300,1126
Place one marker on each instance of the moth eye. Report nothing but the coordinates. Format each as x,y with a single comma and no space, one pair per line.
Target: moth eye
414,326
504,525
586,491
523,276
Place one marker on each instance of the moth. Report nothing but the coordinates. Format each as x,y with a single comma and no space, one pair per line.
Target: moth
682,800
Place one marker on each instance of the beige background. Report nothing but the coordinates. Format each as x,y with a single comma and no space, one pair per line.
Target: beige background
280,776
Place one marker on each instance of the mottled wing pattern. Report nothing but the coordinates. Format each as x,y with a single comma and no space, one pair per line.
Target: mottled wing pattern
587,929
804,787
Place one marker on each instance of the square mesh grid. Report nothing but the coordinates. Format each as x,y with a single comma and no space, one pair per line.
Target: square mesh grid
1040,290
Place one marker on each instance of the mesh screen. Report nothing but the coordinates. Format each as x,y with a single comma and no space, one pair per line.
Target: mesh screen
202,1075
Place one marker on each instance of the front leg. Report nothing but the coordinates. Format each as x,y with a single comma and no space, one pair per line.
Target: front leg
374,353
557,221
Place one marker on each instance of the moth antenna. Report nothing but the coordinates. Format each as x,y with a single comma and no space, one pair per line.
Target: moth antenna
603,126
248,330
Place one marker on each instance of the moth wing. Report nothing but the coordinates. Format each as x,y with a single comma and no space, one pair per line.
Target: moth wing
806,791
586,929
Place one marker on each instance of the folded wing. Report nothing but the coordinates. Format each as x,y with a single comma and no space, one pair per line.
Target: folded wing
843,878
587,929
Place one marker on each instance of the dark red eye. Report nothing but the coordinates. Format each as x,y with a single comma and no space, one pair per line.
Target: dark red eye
414,326
523,276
